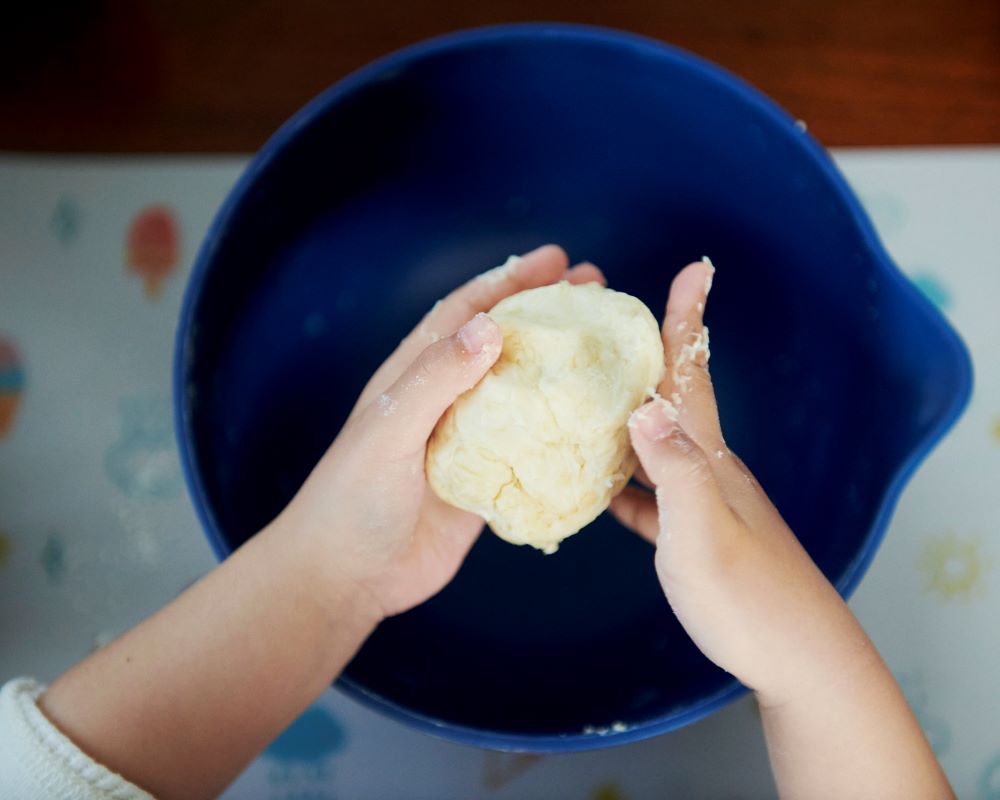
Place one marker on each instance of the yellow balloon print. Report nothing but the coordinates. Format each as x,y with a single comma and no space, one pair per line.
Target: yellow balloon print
608,791
954,567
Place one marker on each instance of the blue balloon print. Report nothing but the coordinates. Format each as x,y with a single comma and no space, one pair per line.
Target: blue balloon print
54,557
312,738
935,728
933,289
65,220
989,781
143,462
937,732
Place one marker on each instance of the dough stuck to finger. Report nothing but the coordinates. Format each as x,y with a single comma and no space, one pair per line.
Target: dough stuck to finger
540,446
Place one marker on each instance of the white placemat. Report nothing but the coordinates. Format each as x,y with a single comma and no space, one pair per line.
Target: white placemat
96,530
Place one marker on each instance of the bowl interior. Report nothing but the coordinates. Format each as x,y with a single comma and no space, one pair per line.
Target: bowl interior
386,194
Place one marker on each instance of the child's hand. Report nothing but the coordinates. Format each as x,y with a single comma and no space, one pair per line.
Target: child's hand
751,598
209,680
736,576
366,512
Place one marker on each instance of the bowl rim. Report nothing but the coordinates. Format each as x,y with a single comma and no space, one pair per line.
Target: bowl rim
770,114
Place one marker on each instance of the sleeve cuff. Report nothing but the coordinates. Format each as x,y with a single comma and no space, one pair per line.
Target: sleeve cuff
37,761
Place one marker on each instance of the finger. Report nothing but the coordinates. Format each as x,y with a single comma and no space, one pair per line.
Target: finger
585,273
686,303
636,510
687,493
688,383
545,265
539,267
399,420
641,476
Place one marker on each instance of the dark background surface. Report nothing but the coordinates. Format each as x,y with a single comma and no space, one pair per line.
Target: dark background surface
197,76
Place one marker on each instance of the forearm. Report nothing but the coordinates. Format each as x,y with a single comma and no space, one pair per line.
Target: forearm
183,702
849,731
836,722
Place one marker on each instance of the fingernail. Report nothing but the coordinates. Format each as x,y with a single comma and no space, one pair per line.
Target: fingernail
655,420
477,333
710,276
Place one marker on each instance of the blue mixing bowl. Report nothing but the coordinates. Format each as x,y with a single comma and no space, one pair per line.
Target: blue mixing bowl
835,377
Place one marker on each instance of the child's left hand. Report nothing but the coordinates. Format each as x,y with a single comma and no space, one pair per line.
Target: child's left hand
366,514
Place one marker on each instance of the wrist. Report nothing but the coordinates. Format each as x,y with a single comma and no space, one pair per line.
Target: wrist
341,603
825,668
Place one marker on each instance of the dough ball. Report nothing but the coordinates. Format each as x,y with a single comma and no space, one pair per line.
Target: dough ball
540,446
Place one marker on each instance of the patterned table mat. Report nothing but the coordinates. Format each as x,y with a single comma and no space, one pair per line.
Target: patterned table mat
96,530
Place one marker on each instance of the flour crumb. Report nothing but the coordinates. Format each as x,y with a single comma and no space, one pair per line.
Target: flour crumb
690,353
497,274
701,306
681,326
603,730
491,351
426,333
386,404
669,409
801,125
614,479
711,275
719,454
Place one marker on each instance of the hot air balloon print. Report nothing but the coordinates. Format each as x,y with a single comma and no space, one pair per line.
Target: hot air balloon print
153,247
11,384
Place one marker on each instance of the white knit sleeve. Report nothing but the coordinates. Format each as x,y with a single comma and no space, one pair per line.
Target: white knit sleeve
37,762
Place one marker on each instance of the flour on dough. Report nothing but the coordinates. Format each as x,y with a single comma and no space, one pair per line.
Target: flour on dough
540,446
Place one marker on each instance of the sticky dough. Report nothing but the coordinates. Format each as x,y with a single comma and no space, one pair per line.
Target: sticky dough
540,446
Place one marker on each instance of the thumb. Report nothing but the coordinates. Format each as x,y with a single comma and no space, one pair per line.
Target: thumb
405,414
687,493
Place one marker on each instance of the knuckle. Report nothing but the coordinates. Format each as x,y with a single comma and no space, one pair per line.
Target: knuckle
687,464
426,363
423,368
697,471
